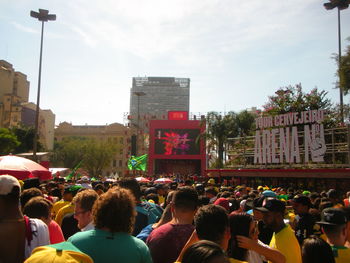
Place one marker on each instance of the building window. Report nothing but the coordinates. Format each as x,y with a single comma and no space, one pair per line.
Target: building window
114,163
121,151
121,140
120,163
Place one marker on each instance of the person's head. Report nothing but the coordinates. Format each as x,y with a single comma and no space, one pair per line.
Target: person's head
10,191
204,251
315,249
84,201
301,204
99,188
333,223
132,185
185,198
333,196
211,222
114,211
273,213
38,207
161,189
241,224
29,194
210,192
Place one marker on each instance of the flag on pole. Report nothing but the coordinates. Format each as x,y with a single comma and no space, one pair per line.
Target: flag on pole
138,163
70,176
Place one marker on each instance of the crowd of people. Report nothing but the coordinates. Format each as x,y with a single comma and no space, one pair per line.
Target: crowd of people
126,221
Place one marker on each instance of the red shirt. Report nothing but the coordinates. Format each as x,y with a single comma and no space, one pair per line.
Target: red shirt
55,231
166,242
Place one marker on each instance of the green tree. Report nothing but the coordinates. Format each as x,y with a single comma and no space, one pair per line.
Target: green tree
294,99
25,136
98,155
95,155
8,141
344,72
245,122
69,152
218,129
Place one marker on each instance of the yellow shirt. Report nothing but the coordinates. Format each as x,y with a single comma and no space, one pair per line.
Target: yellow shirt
341,254
286,242
67,209
57,206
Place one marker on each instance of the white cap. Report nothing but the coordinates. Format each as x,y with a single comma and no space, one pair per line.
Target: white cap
7,182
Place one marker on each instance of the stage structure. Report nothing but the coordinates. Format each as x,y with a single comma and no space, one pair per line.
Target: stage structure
175,147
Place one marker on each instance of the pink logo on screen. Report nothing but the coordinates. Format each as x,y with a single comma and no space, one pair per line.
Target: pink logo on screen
175,143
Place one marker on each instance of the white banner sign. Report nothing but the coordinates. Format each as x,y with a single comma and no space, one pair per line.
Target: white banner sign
276,138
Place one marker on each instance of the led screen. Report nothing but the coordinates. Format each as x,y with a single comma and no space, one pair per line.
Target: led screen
176,141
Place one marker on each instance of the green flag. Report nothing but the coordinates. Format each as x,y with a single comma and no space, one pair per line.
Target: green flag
70,176
138,163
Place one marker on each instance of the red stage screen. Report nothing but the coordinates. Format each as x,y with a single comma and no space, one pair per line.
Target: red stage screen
176,141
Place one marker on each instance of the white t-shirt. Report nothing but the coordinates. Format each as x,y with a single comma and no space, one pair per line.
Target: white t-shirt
40,234
253,257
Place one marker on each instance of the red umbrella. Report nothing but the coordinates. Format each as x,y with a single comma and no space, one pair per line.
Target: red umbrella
163,181
23,168
142,179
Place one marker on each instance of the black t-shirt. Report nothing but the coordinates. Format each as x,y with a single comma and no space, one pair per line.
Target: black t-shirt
304,226
265,233
69,226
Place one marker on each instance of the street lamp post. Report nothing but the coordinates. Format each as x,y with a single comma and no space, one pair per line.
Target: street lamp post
43,16
340,4
138,94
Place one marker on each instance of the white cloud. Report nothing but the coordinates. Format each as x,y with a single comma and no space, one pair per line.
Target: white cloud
25,28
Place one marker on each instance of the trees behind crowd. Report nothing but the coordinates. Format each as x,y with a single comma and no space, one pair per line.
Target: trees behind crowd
17,140
94,155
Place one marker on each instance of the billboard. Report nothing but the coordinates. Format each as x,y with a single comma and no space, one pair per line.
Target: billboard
176,141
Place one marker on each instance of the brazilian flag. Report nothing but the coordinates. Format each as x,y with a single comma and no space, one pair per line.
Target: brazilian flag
138,163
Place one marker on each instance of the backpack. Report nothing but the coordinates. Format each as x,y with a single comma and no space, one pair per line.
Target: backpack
152,211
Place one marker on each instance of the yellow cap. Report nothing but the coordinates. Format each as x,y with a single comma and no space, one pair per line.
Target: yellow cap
67,254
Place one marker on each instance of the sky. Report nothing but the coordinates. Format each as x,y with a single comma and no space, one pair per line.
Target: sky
236,53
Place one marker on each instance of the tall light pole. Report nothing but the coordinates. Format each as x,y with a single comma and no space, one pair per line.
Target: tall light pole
138,94
42,16
340,4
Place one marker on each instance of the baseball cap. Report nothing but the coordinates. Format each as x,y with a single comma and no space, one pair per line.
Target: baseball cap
302,199
333,217
58,253
272,205
223,202
269,193
7,182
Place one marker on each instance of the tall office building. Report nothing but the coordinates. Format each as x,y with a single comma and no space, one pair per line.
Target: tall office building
152,97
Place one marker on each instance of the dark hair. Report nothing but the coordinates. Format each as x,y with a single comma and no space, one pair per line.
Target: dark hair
185,198
99,186
317,250
56,192
85,199
202,252
132,185
28,194
37,207
239,225
115,210
211,221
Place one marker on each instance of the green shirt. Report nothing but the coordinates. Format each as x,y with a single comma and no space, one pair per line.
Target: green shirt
105,247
